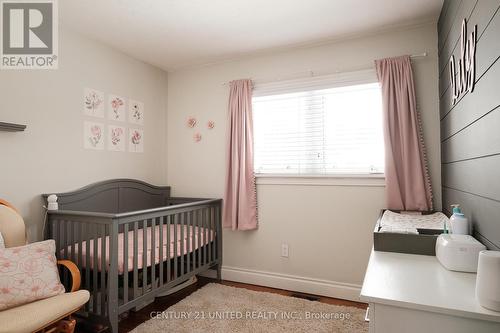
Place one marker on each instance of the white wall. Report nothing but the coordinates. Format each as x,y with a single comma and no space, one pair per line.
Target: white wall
328,228
49,155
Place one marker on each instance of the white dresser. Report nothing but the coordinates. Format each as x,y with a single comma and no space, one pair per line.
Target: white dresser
410,293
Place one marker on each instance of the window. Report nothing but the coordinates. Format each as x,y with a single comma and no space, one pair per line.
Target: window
336,129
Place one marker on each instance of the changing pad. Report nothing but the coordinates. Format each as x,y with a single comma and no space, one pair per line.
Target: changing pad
392,220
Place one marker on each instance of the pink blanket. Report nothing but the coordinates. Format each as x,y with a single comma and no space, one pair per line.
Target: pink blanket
190,244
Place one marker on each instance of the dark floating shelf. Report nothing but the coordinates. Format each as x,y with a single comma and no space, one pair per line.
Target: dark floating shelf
9,127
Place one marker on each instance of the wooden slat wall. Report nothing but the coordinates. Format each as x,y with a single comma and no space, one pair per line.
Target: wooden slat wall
470,129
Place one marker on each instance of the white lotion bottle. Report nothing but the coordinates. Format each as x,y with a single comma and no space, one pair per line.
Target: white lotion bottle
459,223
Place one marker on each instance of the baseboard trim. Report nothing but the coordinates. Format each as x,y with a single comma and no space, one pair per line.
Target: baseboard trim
294,283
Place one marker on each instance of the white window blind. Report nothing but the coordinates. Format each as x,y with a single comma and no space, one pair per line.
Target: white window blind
323,131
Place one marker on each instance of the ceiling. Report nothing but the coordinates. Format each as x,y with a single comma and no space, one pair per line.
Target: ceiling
172,34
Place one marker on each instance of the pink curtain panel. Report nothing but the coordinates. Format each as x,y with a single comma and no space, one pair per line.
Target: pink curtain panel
240,199
408,185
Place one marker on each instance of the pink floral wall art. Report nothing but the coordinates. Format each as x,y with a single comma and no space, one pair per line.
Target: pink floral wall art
93,135
136,140
93,103
136,112
191,122
197,137
211,124
116,108
116,138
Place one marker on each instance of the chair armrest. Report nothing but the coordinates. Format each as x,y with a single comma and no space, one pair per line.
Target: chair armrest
74,271
8,204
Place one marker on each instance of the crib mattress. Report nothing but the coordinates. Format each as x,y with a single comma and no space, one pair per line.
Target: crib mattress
193,238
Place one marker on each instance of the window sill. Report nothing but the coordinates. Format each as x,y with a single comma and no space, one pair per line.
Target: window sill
363,180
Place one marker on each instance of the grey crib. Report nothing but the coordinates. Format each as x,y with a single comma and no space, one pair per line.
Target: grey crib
132,241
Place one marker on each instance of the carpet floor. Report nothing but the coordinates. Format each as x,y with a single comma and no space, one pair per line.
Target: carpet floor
224,309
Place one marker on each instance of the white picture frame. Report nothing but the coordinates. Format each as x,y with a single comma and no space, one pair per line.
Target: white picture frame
117,108
135,112
93,103
117,137
93,135
135,140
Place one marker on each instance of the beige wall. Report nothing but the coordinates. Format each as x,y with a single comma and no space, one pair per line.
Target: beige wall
49,155
327,225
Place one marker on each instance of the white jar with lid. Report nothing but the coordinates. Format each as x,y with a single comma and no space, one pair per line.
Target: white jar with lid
488,280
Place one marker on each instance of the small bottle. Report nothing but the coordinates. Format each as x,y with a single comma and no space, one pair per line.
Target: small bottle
458,221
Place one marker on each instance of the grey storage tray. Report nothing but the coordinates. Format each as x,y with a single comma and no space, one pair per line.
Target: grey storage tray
424,243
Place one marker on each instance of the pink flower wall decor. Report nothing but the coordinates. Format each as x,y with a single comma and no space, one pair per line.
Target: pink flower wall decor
197,137
136,143
116,108
96,136
116,138
211,124
116,103
136,138
93,135
116,134
191,122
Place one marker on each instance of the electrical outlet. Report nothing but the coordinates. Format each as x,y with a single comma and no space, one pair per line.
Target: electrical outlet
284,250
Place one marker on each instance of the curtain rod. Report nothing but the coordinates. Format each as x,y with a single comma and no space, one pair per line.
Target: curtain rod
311,73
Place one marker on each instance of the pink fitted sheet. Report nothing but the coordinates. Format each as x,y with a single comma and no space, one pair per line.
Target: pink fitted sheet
190,236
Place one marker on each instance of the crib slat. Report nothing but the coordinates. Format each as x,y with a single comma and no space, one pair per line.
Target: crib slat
195,239
214,254
204,236
63,239
80,246
125,263
153,253
218,234
112,275
199,223
211,235
214,233
79,236
182,223
207,234
95,269
144,256
104,268
87,262
54,234
71,230
200,236
160,227
188,241
169,243
64,254
205,254
176,223
136,259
